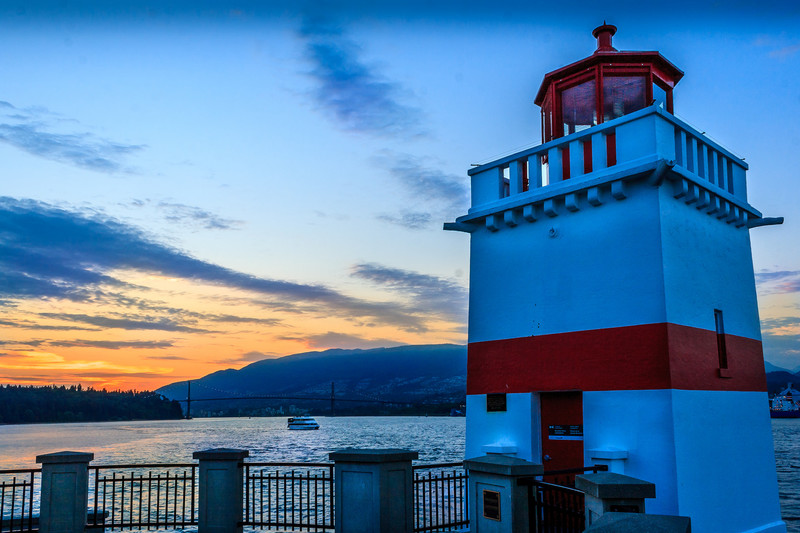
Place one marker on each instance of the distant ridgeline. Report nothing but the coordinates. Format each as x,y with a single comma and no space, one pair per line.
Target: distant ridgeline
422,379
29,404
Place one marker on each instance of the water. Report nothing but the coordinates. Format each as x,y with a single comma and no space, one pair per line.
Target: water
786,435
437,439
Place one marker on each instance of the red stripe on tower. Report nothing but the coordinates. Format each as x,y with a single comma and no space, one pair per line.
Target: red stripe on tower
645,357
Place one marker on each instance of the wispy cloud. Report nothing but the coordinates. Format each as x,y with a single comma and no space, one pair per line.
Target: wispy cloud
187,215
334,339
143,323
422,179
408,219
356,95
778,281
47,251
429,294
34,130
112,345
781,340
443,195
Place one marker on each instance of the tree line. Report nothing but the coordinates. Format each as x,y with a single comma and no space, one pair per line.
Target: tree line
23,404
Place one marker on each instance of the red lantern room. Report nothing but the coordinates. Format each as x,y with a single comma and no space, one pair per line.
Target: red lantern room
604,86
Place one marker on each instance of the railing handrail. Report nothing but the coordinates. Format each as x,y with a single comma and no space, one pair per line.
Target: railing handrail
143,465
21,471
309,465
437,465
577,470
654,109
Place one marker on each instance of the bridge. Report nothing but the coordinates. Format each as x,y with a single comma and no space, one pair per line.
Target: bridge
332,398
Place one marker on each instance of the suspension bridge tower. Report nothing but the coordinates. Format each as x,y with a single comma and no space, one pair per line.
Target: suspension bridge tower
613,315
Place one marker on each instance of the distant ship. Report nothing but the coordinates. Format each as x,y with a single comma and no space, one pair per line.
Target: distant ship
302,422
785,404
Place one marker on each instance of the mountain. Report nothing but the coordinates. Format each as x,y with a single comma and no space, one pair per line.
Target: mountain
769,367
424,374
777,381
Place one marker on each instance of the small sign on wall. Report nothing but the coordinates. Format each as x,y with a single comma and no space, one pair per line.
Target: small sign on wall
491,504
495,403
565,432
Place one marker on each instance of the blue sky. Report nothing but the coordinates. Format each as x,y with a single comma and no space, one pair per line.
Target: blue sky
189,186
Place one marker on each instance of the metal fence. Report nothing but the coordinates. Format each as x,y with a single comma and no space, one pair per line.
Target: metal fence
440,497
19,491
146,496
296,496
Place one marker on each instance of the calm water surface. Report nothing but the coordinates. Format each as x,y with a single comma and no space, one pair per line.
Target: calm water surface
437,439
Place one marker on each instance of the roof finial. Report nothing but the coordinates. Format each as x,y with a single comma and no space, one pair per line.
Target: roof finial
604,34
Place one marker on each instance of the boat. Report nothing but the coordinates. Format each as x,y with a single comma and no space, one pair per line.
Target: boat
785,404
302,422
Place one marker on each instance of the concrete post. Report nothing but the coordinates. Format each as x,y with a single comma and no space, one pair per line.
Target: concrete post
497,503
374,491
221,490
65,491
609,492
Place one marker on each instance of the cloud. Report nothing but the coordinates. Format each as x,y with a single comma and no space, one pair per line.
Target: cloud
26,324
424,182
192,216
781,340
112,345
160,324
785,51
46,251
168,357
334,339
354,93
778,281
431,294
408,219
31,130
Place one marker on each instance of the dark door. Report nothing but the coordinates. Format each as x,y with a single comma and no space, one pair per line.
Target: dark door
562,433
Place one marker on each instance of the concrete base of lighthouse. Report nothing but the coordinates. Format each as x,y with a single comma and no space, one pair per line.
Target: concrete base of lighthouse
702,449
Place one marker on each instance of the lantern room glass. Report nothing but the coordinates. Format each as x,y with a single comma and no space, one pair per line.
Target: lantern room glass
623,95
579,107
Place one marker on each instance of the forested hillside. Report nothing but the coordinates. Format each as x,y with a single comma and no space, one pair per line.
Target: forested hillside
29,404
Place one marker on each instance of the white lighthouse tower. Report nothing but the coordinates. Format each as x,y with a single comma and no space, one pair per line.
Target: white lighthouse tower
613,315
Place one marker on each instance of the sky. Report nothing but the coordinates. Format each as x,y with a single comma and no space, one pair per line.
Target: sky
192,186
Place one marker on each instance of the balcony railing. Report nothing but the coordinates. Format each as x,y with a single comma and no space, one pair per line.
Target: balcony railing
629,146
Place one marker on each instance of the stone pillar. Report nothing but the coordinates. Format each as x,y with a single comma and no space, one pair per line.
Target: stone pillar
65,491
221,490
498,504
609,492
374,491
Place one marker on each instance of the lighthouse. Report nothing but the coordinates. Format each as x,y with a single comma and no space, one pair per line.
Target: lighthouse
612,311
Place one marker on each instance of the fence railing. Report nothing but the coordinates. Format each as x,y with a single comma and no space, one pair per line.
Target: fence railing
145,496
19,499
440,497
554,508
297,496
555,505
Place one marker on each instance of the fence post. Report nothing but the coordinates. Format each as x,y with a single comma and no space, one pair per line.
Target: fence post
609,492
373,491
65,491
221,490
497,503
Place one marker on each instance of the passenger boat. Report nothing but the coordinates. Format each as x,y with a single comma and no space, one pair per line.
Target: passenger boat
302,422
785,404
